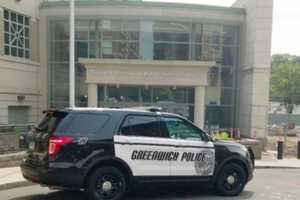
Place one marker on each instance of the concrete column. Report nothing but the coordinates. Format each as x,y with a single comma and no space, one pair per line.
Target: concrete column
2,32
199,106
92,95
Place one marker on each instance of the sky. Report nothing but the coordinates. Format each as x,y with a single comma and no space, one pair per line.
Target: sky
286,23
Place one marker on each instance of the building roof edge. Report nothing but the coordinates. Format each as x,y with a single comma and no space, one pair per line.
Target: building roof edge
45,5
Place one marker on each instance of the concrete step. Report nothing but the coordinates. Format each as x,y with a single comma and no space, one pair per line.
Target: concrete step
12,159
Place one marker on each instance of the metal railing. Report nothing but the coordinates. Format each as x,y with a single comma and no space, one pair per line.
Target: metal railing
18,129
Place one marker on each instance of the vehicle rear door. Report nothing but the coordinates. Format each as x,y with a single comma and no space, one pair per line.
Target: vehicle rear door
38,137
197,154
143,147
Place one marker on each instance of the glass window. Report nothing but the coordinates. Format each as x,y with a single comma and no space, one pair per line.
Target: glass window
82,124
219,116
146,94
197,33
228,56
120,35
120,50
82,30
61,51
171,31
180,95
16,34
61,30
169,51
213,76
147,126
171,41
197,52
226,96
163,94
229,35
123,94
227,77
93,30
181,129
212,34
82,49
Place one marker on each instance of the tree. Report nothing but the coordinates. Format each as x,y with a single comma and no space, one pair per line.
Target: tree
285,85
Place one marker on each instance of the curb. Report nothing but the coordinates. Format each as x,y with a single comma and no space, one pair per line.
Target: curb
13,185
275,167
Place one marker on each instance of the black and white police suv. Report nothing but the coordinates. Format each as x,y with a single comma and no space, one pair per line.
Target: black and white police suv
107,151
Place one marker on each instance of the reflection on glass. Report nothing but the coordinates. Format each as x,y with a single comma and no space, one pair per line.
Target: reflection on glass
168,51
228,56
81,49
133,39
177,100
120,50
226,97
61,51
218,116
227,77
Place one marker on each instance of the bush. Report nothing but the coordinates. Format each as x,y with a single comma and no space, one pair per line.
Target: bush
222,136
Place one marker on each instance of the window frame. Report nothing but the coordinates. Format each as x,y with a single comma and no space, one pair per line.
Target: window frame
160,133
20,35
163,122
72,116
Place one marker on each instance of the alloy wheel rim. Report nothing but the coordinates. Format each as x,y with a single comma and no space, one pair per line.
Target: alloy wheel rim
108,186
232,180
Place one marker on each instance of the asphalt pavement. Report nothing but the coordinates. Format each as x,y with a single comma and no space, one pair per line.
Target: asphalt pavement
268,184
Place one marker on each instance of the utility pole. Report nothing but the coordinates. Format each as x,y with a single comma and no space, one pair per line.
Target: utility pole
72,54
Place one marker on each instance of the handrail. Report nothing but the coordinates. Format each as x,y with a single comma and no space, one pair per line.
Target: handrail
17,125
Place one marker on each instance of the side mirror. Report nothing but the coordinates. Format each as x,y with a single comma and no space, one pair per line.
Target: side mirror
211,137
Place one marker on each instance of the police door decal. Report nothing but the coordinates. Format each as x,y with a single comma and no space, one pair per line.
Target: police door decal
164,157
145,156
205,166
197,159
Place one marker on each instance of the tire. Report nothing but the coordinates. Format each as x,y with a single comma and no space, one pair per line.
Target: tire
107,183
231,180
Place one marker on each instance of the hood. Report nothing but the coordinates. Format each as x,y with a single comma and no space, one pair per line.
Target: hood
229,144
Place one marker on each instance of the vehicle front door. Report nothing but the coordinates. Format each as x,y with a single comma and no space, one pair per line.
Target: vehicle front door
143,147
197,153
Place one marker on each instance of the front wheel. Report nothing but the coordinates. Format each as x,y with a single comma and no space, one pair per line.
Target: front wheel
107,183
231,180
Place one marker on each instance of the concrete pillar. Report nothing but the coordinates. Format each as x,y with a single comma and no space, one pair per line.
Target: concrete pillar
199,106
92,95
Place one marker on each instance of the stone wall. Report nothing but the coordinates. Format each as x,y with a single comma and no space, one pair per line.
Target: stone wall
8,142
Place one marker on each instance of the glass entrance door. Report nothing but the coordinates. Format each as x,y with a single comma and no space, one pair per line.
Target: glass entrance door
178,100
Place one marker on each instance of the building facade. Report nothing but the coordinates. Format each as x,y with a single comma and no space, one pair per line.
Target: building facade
20,74
210,64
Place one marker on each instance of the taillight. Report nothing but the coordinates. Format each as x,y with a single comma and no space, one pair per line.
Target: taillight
55,144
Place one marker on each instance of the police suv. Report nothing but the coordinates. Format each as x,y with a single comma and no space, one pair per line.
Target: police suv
107,151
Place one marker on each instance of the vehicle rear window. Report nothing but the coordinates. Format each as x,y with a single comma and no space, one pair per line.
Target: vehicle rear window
82,124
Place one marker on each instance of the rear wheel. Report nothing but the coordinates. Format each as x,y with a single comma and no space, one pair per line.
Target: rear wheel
107,183
231,180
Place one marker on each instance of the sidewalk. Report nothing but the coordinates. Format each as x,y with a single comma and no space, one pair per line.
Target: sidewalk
269,160
11,177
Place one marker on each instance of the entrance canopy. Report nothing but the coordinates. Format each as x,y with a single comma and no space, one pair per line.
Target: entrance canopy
140,72
148,73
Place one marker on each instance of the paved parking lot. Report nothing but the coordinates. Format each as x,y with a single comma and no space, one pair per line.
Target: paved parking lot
269,184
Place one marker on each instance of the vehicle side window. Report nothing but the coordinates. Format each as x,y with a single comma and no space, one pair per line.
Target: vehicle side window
181,129
146,126
83,123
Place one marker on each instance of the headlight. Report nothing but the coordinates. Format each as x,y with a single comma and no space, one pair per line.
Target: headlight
244,148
